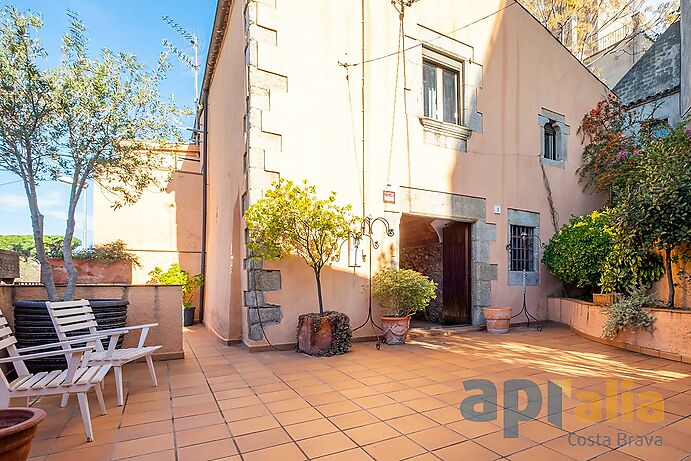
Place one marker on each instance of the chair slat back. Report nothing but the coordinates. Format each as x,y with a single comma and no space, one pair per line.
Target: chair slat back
73,316
7,344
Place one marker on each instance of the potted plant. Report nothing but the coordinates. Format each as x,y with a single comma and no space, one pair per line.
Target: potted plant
401,293
100,263
17,430
175,275
292,220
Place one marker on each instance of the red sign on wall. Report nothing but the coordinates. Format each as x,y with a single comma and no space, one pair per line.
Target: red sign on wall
389,196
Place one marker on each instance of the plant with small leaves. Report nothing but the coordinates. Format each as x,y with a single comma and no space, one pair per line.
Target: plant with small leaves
292,220
402,292
175,275
109,251
629,312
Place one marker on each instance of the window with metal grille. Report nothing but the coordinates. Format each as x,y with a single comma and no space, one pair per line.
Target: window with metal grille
522,251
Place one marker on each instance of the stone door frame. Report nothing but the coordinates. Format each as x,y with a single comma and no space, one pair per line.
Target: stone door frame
460,208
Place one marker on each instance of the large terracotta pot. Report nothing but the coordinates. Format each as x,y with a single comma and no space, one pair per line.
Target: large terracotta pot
603,299
497,319
17,429
33,327
395,329
314,340
92,271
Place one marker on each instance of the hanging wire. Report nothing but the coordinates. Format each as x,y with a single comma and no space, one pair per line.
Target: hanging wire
388,55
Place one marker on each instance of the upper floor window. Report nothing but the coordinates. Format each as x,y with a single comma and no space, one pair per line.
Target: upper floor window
553,138
550,151
441,92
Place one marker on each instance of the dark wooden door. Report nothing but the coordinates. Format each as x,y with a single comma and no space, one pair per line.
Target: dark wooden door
456,269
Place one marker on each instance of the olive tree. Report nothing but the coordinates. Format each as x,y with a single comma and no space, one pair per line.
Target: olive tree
112,120
100,119
27,116
292,220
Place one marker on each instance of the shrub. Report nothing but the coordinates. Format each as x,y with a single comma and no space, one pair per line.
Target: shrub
24,245
628,313
340,331
175,275
577,253
627,268
111,251
402,292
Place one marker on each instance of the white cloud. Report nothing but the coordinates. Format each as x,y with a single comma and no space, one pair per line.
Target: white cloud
13,202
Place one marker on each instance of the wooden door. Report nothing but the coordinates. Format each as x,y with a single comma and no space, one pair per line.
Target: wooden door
456,269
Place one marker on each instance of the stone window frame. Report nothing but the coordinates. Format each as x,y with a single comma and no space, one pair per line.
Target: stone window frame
442,62
453,54
515,217
562,131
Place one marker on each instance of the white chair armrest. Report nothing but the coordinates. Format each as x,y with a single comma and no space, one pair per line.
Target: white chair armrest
129,327
40,355
73,340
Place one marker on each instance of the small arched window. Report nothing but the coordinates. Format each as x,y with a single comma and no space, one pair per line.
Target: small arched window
550,151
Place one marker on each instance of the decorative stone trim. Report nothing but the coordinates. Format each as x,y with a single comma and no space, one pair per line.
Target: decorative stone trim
562,131
458,134
262,155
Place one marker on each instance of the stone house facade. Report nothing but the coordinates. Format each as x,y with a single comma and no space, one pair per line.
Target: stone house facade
472,130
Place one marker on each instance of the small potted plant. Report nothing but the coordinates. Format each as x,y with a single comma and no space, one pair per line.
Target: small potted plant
175,275
401,293
292,221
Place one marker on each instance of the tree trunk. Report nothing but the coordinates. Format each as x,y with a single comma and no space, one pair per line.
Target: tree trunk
317,274
37,226
670,277
67,242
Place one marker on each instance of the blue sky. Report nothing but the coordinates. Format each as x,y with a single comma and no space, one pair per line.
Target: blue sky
121,25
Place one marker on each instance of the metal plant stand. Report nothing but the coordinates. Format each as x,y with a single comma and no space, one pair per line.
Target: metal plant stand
366,231
528,241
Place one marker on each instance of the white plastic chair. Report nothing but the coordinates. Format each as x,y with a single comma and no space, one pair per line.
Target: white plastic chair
76,379
71,316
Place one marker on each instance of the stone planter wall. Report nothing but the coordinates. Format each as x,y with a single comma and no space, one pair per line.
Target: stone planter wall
670,338
92,271
147,304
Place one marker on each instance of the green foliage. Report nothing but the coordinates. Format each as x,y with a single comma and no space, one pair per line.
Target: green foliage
340,330
175,275
402,292
110,251
627,268
292,220
628,313
577,253
24,245
654,209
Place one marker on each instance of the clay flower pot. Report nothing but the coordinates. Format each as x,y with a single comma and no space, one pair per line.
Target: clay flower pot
498,319
395,329
17,429
603,299
314,340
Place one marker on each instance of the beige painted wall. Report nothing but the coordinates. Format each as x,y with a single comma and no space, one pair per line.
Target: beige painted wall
226,184
164,226
312,131
147,304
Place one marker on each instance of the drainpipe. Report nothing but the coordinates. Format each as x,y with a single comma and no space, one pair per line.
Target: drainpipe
204,132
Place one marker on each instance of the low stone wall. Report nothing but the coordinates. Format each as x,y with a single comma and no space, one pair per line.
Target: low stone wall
670,338
147,304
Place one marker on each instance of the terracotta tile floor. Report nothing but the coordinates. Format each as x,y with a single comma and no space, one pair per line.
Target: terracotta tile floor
223,403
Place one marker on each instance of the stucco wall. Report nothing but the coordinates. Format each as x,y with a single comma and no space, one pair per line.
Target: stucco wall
147,304
308,127
670,338
226,183
164,226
